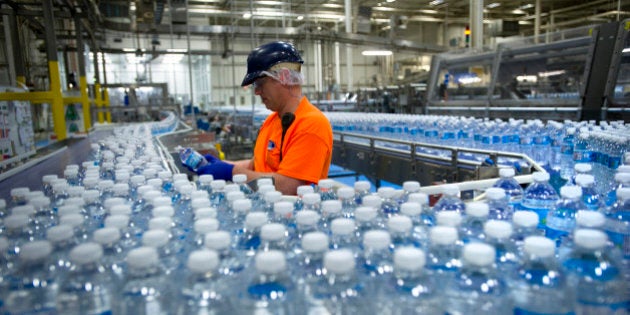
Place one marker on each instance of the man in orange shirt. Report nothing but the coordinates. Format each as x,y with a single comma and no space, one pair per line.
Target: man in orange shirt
294,144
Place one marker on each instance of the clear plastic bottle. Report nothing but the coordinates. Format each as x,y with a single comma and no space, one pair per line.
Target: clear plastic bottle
241,181
129,235
273,236
539,197
361,189
204,291
343,235
389,204
524,224
348,201
19,231
87,289
400,228
561,217
301,191
411,290
61,237
309,265
622,179
477,288
377,260
498,204
366,219
325,188
540,286
590,197
113,254
596,274
271,290
231,265
498,235
341,291
191,158
168,251
617,226
330,210
473,222
32,287
409,187
311,201
450,200
512,188
147,289
248,240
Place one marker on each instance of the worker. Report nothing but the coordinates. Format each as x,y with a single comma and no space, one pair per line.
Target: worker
294,144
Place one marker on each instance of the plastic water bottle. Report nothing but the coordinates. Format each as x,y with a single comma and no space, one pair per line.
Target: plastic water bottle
411,290
512,188
87,289
19,231
32,289
617,226
566,152
477,288
366,219
330,210
309,265
203,292
311,201
204,182
400,229
524,224
377,259
301,191
273,236
623,181
497,201
168,251
113,255
343,235
325,189
428,215
561,217
146,289
129,235
240,209
540,286
306,221
498,235
271,290
231,265
241,181
348,201
590,197
409,187
361,189
61,237
248,240
472,228
420,223
596,274
450,200
539,197
191,158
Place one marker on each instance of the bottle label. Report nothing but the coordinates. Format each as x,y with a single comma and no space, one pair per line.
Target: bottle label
583,156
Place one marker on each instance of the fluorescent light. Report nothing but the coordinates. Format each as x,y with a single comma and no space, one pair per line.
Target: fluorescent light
429,11
389,1
247,15
626,50
436,2
493,5
550,73
527,78
377,53
176,50
267,2
129,49
300,17
526,6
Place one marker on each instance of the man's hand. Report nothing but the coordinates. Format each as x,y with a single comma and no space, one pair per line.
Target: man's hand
218,170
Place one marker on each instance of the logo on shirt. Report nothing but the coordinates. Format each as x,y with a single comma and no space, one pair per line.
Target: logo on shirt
271,145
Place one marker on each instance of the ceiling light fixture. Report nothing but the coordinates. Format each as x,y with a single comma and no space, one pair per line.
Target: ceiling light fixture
247,15
436,2
526,6
493,5
300,17
377,53
389,1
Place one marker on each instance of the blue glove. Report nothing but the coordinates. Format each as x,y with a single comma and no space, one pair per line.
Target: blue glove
211,158
218,170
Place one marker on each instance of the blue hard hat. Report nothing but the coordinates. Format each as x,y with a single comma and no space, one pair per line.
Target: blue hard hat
268,55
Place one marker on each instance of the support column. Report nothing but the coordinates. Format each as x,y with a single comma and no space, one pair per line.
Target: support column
85,101
105,92
348,15
476,24
537,21
59,123
98,101
17,69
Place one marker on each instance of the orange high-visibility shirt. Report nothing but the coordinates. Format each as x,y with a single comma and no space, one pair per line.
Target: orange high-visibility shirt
307,148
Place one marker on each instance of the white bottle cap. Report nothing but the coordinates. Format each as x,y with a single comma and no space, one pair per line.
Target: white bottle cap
362,185
339,261
273,232
239,178
590,219
34,194
165,175
163,211
315,242
110,202
231,187
155,238
16,221
242,205
149,173
179,183
255,220
265,181
263,189
305,189
20,192
450,190
217,240
399,224
185,189
121,189
571,192
590,239
86,253
330,207
527,219
498,229
120,209
584,180
46,179
376,239
206,212
73,219
283,209
199,194
40,202
306,217
506,172
411,186
90,182
24,210
409,259
477,209
411,209
119,221
181,176
106,236
443,235
148,193
365,213
142,257
90,196
342,226
161,201
197,203
418,197
271,262
326,183
4,244
161,223
137,180
345,192
203,261
59,233
217,184
623,193
105,184
539,246
479,254
495,193
75,201
373,201
311,199
582,167
75,191
205,179
540,176
36,250
207,225
234,195
448,218
623,168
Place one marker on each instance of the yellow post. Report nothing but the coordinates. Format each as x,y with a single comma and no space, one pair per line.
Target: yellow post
59,121
108,114
85,103
21,81
98,101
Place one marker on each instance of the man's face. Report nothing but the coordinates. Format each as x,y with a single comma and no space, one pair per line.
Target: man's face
267,89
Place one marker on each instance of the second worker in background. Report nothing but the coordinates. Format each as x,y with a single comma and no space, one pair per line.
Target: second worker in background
294,144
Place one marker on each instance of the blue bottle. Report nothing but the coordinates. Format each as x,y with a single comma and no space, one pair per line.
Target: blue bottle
191,158
499,208
477,287
596,274
147,289
590,197
540,285
623,181
539,197
617,226
561,217
566,154
270,291
88,288
512,188
450,200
